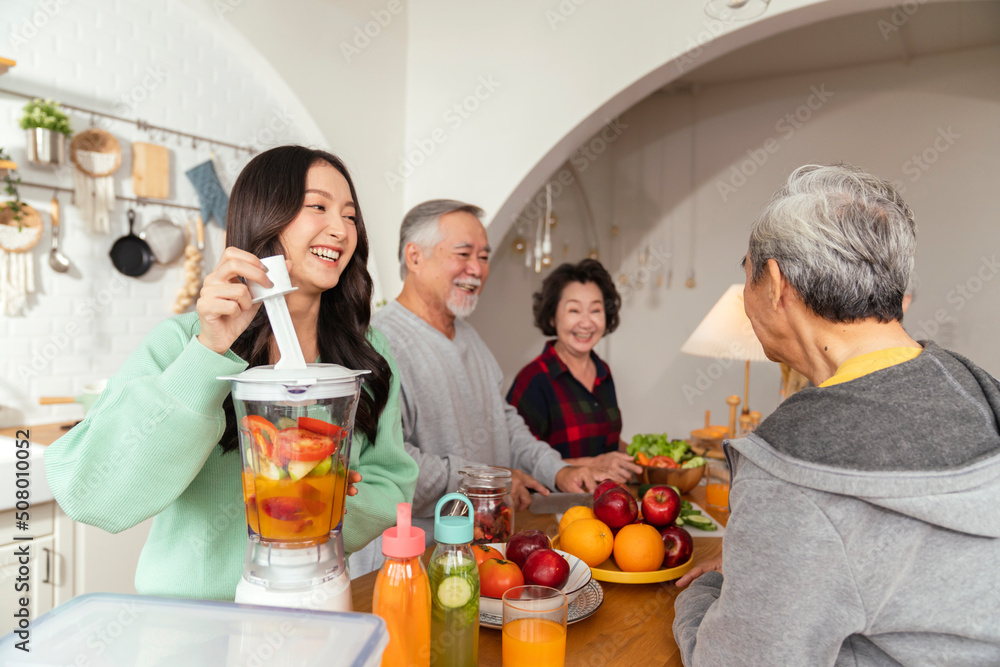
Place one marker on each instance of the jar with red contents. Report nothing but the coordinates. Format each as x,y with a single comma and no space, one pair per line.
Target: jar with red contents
489,490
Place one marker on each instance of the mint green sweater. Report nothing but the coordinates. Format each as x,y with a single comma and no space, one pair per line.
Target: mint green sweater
149,448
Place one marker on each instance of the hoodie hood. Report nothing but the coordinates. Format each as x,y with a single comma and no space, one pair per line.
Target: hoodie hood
920,438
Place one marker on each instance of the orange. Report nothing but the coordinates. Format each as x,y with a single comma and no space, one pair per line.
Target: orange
574,513
590,540
638,548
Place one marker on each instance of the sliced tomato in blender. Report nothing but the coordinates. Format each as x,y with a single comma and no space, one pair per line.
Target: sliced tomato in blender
312,498
284,508
264,433
319,426
299,444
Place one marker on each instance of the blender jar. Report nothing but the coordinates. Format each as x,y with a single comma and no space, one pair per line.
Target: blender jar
295,429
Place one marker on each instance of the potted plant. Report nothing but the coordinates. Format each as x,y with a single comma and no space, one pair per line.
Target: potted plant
47,126
12,180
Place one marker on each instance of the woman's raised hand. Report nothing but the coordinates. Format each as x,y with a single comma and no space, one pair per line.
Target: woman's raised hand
225,307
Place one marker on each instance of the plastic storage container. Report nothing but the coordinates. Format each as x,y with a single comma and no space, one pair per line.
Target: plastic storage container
104,630
489,489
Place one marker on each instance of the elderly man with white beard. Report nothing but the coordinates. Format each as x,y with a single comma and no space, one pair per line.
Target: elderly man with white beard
453,409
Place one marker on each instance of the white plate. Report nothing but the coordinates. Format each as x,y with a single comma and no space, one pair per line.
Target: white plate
583,606
579,576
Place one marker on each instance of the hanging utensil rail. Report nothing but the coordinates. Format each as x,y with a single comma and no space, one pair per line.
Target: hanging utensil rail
140,124
135,200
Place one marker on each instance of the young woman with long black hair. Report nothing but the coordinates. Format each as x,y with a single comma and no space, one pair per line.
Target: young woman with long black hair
161,441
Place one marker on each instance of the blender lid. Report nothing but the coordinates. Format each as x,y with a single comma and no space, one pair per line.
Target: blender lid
299,377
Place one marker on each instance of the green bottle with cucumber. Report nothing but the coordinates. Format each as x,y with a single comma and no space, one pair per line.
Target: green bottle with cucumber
454,581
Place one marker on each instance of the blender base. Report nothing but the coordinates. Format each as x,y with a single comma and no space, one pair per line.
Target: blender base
332,595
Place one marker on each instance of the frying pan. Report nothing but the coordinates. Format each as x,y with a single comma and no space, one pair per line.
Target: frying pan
130,254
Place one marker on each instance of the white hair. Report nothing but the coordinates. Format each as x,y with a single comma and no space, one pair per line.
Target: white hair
421,226
843,238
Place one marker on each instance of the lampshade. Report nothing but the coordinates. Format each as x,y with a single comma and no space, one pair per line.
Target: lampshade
726,333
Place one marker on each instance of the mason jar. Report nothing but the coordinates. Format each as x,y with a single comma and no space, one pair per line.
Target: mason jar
489,490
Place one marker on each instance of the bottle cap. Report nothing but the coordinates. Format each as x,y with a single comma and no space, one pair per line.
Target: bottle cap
403,540
453,529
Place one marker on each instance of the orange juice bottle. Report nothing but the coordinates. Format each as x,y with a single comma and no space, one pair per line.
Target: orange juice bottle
402,594
534,641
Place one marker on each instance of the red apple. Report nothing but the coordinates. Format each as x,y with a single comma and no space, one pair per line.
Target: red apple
616,508
660,506
679,546
520,545
546,567
606,485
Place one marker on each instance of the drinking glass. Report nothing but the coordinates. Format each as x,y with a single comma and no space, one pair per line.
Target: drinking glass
717,484
534,627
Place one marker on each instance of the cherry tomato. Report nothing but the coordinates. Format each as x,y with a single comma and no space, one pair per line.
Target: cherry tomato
298,444
264,433
496,577
663,462
484,553
319,426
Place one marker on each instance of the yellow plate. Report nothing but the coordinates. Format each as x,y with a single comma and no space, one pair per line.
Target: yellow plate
608,571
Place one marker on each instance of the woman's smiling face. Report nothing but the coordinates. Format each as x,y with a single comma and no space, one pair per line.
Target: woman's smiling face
580,318
322,238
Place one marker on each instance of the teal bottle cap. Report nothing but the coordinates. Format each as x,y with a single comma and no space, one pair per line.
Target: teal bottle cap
453,529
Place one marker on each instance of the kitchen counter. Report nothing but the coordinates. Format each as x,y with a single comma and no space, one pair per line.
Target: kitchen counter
41,434
38,484
633,626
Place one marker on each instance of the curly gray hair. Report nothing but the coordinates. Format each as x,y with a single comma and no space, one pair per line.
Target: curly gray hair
843,238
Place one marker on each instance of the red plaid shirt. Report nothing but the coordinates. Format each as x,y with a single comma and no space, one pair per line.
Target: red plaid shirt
561,411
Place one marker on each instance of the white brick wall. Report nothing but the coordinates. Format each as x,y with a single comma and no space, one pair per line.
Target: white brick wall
98,54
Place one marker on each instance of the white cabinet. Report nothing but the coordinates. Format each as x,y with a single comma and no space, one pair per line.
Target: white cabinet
106,562
47,572
32,581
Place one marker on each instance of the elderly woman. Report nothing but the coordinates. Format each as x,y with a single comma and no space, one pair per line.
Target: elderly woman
566,395
864,526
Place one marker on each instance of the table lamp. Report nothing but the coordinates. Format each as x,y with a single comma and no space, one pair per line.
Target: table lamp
726,333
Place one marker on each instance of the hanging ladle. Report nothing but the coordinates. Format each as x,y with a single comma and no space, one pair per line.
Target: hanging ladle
58,261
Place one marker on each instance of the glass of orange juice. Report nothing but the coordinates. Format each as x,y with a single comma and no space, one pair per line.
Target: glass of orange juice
717,484
534,627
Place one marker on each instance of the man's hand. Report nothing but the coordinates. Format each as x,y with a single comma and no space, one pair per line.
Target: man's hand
713,564
520,483
575,479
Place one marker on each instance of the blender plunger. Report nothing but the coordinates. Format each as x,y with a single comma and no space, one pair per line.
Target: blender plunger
295,423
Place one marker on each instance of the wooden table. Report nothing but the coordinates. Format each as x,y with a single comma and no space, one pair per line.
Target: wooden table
632,627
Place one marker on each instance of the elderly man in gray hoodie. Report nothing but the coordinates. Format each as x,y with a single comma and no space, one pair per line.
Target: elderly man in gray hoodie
865,525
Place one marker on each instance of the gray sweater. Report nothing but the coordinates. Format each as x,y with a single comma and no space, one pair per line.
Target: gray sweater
453,408
865,528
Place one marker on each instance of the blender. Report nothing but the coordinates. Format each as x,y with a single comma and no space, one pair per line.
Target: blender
295,423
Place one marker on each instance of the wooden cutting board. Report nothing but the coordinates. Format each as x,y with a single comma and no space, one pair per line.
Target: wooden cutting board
151,171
